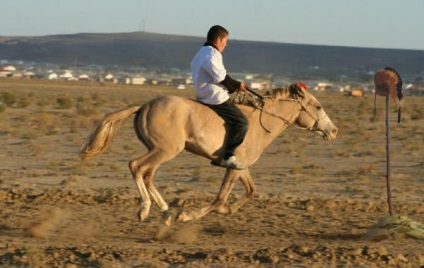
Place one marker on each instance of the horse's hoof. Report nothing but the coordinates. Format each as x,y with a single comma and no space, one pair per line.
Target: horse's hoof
141,216
224,210
167,218
183,217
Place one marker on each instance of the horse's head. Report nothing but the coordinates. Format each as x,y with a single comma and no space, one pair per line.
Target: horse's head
312,116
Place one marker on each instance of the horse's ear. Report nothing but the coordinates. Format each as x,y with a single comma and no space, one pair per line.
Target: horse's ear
296,91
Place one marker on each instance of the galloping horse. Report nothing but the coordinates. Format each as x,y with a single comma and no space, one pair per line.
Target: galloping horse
168,125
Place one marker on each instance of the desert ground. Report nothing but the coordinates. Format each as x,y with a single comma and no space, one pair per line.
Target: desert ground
316,199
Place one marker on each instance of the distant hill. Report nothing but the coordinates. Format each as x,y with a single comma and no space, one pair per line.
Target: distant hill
150,50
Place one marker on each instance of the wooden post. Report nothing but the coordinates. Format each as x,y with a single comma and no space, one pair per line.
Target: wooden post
388,175
387,82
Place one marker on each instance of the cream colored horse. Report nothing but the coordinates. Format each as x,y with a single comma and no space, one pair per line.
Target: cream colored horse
168,125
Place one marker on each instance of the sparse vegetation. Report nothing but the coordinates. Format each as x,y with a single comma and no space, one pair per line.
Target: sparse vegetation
417,113
366,169
314,199
64,102
7,98
2,106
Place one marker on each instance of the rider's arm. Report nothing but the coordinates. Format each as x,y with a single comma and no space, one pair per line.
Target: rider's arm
231,84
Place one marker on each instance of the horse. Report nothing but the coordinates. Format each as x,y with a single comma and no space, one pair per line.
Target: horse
167,125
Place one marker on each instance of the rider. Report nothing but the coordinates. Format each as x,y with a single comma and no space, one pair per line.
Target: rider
213,86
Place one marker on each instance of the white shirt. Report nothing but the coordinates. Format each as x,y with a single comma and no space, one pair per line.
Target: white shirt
207,69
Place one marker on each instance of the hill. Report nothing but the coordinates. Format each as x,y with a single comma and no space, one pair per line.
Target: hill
159,51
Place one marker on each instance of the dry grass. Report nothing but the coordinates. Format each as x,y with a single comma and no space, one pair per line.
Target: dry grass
311,193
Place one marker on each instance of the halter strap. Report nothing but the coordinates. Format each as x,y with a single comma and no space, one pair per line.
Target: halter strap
288,122
315,126
262,109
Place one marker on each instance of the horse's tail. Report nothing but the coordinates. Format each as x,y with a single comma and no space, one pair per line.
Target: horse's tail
103,132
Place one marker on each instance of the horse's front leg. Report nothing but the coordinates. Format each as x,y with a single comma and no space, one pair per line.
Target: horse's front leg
250,187
220,200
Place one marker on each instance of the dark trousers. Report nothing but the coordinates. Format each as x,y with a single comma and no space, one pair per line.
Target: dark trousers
236,124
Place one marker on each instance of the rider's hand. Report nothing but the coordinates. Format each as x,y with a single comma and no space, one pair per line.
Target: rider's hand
243,87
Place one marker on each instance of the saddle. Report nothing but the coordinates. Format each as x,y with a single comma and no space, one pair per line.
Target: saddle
387,81
248,99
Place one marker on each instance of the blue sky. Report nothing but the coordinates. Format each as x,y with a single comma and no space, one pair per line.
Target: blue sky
358,23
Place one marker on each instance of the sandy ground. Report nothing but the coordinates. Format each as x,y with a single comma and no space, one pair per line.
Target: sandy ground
315,201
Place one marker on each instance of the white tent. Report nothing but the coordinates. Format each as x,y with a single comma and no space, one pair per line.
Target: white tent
67,75
53,76
9,68
84,77
109,77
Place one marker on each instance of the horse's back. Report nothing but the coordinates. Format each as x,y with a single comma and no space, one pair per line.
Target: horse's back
171,109
176,122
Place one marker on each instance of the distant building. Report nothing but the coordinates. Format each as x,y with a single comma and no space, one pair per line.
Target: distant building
138,80
29,74
260,85
109,77
67,76
9,68
7,71
52,76
84,77
356,92
324,86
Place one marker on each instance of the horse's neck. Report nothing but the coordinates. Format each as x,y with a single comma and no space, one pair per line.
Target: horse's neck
273,119
283,113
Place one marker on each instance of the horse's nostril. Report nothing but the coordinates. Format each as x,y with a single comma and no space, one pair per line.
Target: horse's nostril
334,131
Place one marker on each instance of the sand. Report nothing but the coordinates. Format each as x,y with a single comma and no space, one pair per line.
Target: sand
316,199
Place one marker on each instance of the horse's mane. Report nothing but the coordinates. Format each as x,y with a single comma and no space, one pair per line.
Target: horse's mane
280,93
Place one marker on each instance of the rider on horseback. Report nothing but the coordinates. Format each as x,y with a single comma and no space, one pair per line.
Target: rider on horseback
213,86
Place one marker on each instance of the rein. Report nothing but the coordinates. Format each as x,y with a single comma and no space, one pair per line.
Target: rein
262,110
273,115
303,107
261,106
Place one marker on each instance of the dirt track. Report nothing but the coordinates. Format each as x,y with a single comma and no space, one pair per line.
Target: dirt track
316,199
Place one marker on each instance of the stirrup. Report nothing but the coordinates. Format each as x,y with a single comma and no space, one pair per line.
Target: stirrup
229,163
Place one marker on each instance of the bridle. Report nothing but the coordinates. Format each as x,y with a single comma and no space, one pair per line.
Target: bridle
314,127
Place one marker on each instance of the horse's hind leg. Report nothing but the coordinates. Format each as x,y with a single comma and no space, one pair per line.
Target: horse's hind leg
148,181
143,170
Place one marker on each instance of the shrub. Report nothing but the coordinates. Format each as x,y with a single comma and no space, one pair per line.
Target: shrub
2,106
417,113
64,102
7,98
23,102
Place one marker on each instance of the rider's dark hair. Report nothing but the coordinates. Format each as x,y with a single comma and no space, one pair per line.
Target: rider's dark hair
215,32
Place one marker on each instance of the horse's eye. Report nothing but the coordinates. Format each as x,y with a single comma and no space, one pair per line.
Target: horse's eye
319,108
